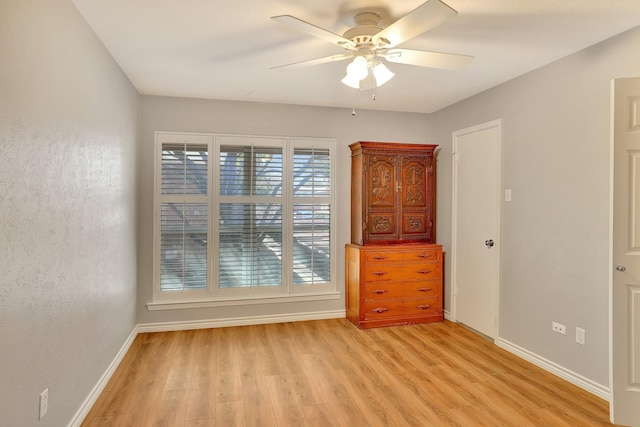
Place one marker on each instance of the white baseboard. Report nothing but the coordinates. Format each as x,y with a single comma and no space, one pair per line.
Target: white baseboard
79,417
447,315
564,373
240,321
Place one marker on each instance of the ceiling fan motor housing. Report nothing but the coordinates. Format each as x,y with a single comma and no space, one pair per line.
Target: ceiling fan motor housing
366,27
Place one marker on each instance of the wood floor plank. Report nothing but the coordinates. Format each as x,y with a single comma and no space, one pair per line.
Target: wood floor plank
201,423
286,403
205,363
319,415
329,373
181,370
346,411
474,416
172,411
258,406
201,404
230,414
370,406
229,387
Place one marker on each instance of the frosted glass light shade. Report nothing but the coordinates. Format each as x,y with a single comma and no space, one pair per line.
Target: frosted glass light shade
382,74
351,81
359,68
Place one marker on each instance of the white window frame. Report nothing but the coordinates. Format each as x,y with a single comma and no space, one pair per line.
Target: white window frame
213,295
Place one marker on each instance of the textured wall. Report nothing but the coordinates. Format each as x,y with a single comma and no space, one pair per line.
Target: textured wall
555,232
68,153
194,115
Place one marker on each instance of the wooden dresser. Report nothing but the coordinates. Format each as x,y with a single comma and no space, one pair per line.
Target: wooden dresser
393,266
394,285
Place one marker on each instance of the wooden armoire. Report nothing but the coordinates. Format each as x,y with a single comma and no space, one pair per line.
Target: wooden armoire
393,266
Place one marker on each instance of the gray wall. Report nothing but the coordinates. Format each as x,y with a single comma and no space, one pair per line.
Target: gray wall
193,115
68,152
555,231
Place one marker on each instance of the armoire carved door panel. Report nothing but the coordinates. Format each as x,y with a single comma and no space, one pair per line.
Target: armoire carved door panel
381,197
382,177
415,186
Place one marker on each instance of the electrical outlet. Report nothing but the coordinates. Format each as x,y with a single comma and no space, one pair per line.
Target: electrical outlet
559,328
44,403
580,336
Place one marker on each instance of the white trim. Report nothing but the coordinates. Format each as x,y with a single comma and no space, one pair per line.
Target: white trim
557,370
448,316
88,403
240,321
225,302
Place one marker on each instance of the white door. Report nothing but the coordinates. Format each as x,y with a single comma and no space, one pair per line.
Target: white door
476,227
624,359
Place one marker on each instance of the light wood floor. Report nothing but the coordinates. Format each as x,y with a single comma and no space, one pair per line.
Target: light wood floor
329,373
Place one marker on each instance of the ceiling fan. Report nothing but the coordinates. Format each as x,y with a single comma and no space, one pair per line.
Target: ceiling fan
369,44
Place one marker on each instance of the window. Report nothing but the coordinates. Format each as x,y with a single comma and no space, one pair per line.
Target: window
243,217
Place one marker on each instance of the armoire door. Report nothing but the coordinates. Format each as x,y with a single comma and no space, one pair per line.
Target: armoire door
381,197
415,213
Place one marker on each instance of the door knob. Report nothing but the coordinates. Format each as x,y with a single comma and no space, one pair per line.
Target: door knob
621,267
489,243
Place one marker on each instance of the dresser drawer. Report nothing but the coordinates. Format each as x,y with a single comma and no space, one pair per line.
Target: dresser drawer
418,307
391,256
409,290
400,273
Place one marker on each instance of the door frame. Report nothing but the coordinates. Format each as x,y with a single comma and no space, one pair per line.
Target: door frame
454,217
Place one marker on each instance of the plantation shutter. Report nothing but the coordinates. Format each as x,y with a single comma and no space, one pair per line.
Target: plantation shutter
250,210
311,216
183,217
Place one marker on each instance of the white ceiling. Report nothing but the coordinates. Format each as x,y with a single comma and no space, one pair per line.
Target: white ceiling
224,49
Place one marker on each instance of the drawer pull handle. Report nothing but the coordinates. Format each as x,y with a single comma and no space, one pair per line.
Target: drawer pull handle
424,255
380,291
380,309
424,289
379,273
379,257
424,271
424,306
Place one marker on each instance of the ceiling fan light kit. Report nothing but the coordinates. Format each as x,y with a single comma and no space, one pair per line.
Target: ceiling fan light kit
367,43
363,69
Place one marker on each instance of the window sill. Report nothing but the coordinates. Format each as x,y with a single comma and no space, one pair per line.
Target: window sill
223,302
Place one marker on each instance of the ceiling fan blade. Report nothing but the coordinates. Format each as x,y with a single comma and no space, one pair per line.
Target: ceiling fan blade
314,30
423,58
317,61
425,17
